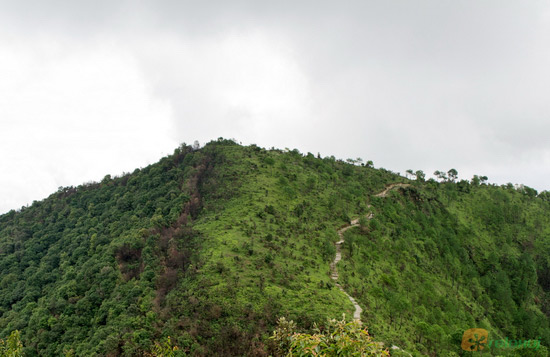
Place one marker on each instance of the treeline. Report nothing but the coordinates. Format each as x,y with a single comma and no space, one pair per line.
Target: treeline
209,246
87,269
203,252
440,258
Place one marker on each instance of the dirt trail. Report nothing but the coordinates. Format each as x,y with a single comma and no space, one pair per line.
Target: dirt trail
391,187
334,271
338,257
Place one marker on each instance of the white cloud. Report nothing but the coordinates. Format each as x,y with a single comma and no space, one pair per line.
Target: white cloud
71,114
245,85
425,85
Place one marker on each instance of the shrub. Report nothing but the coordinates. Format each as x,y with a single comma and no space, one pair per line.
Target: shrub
12,346
337,338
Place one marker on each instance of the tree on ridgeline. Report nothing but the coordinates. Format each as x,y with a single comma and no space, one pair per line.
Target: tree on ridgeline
452,174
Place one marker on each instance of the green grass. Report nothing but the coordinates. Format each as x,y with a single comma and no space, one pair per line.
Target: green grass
211,247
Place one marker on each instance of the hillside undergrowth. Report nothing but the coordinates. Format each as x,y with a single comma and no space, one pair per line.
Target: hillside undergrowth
206,250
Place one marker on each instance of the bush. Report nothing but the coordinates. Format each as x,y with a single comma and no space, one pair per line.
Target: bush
12,346
337,338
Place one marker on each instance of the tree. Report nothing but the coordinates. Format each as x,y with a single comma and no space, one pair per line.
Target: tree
165,348
364,223
270,162
440,175
477,180
12,346
545,195
452,174
531,192
463,186
420,175
436,336
422,331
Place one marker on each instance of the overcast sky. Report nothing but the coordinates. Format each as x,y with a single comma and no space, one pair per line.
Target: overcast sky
89,88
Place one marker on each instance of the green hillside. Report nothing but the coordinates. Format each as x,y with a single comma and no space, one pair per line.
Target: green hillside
207,248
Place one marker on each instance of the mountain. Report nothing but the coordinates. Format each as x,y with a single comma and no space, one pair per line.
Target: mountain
206,250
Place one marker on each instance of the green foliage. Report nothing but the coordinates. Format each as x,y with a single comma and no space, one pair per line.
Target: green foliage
210,245
336,338
11,346
206,246
283,335
87,270
438,260
165,349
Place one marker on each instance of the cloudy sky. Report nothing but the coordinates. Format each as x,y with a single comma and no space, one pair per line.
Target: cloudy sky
89,88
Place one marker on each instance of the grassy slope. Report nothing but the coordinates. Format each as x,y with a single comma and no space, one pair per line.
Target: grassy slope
270,219
210,247
436,261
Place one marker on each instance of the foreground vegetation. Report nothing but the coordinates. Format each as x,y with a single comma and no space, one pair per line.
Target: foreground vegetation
206,249
336,338
11,346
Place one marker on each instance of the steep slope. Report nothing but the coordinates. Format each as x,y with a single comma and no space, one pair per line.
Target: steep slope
272,217
437,259
207,248
86,268
338,256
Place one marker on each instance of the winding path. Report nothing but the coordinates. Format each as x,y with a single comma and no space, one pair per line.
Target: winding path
389,188
354,223
334,271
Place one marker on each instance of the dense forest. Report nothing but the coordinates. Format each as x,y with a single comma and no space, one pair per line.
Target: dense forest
205,251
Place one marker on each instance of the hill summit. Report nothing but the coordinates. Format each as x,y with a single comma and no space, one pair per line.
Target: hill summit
207,249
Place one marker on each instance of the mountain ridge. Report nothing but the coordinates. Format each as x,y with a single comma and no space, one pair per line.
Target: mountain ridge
211,246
